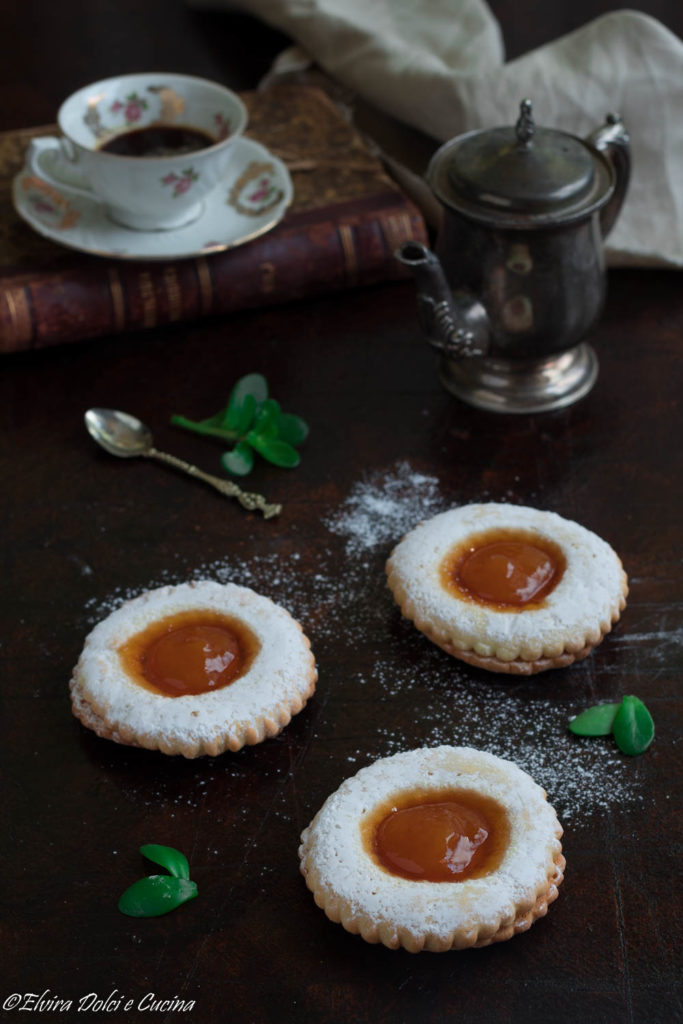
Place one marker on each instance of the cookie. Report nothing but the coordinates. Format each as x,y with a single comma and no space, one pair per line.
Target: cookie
435,849
508,588
193,669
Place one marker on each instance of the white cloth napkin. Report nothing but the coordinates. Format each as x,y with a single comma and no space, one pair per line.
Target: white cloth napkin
440,67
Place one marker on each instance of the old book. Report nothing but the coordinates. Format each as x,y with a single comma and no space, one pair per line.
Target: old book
346,220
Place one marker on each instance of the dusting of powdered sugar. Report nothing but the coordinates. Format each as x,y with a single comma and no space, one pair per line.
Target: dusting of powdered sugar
384,506
580,776
449,702
313,599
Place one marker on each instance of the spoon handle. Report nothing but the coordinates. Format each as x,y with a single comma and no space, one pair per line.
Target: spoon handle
247,499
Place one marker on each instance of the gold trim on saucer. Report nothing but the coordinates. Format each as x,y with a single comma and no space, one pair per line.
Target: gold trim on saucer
253,171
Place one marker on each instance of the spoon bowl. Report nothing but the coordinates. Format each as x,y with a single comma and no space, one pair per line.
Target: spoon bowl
123,435
118,432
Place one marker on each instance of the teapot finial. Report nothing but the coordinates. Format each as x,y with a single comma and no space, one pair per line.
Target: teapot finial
525,127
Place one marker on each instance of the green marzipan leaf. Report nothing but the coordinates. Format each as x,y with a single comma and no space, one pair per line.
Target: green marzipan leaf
217,420
633,728
253,384
292,429
267,419
156,895
278,452
240,460
167,857
246,415
212,427
595,721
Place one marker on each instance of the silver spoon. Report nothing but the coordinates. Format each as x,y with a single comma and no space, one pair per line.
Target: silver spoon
125,436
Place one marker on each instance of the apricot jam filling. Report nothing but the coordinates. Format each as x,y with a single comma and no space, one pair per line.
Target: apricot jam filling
447,836
190,652
508,570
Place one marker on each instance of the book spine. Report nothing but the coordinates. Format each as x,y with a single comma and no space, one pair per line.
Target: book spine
296,260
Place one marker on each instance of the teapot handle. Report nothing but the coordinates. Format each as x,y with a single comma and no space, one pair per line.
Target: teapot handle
613,140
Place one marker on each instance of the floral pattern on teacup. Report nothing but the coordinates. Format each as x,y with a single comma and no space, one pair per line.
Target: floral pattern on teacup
106,115
181,182
171,104
222,126
50,206
132,107
255,191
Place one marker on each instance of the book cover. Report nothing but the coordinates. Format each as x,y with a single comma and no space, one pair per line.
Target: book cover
346,221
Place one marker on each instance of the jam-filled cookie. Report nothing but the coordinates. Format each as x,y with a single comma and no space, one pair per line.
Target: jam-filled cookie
438,848
193,669
508,588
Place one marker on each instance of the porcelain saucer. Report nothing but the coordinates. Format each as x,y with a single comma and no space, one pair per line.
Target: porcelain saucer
252,200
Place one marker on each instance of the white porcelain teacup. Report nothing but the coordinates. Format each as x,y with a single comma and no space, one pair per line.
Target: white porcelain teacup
149,146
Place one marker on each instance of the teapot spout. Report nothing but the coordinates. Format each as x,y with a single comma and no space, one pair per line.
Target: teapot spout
456,325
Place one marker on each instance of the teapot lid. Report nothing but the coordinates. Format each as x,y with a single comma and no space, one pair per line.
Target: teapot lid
523,176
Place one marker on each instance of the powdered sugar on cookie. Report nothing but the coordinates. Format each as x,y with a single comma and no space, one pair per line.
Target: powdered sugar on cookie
573,617
353,888
258,704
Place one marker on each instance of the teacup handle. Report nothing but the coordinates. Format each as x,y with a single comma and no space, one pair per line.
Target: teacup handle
56,161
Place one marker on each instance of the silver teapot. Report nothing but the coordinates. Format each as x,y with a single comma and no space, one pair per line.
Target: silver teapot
519,278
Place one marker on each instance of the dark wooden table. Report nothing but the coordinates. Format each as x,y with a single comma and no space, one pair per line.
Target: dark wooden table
82,531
